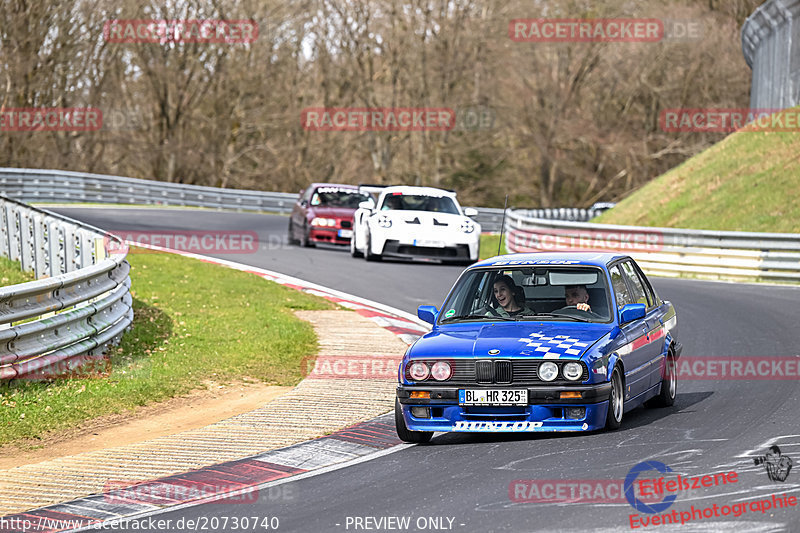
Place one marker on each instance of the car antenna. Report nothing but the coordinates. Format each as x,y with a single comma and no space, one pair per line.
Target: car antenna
502,226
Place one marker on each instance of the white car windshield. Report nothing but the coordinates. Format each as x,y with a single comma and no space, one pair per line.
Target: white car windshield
419,202
576,294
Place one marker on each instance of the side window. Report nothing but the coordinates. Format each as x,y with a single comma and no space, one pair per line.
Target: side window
620,287
639,295
648,289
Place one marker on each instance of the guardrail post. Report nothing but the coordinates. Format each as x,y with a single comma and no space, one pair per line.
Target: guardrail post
13,233
26,241
39,247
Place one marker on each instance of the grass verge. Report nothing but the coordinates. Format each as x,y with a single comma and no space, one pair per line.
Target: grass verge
195,324
489,244
747,182
11,273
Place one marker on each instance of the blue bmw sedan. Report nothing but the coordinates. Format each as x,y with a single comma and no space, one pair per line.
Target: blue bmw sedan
539,342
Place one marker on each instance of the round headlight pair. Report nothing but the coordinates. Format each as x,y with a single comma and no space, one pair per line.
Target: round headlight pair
323,222
548,371
440,371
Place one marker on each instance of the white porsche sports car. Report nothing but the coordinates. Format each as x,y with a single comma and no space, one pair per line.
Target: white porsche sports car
415,222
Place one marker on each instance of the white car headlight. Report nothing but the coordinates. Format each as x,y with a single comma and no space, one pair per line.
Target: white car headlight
418,371
468,226
323,222
572,371
548,371
441,370
384,221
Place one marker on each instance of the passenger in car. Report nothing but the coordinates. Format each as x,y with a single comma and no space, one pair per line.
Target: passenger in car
511,299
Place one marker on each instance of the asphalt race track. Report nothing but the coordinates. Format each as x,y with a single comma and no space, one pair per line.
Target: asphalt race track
462,482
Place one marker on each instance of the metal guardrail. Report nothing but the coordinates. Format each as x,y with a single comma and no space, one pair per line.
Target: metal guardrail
80,305
722,255
34,185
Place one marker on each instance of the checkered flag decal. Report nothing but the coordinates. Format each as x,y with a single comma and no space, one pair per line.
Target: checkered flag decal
554,347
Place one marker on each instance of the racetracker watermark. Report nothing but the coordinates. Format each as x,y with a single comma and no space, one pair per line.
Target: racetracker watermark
209,31
605,30
723,120
51,119
182,490
338,367
475,118
378,119
571,491
568,239
739,368
47,368
199,242
124,120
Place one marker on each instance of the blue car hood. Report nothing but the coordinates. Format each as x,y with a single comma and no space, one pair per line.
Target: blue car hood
518,339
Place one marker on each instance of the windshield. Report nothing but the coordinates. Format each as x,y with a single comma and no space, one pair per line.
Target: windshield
540,293
333,197
418,202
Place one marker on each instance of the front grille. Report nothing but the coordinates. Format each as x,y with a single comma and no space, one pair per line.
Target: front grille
484,371
346,224
501,371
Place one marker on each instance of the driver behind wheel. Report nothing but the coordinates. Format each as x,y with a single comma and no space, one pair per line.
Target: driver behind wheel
577,296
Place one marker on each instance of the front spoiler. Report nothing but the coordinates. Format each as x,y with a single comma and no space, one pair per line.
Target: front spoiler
544,412
537,395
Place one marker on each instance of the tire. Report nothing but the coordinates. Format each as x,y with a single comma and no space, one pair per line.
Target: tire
304,241
405,434
669,384
353,250
292,239
616,402
368,255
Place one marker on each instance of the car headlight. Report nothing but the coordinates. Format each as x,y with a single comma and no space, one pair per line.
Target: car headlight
384,221
572,371
441,370
418,371
468,226
323,222
548,371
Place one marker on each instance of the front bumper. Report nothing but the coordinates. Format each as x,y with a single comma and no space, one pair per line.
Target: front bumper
545,410
329,235
457,252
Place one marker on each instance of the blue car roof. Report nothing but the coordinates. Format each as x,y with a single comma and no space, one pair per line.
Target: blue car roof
551,258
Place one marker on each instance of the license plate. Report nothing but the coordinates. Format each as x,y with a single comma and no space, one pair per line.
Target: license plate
492,397
345,233
428,244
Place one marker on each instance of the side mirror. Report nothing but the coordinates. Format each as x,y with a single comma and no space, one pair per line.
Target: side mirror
470,212
631,312
303,203
428,313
